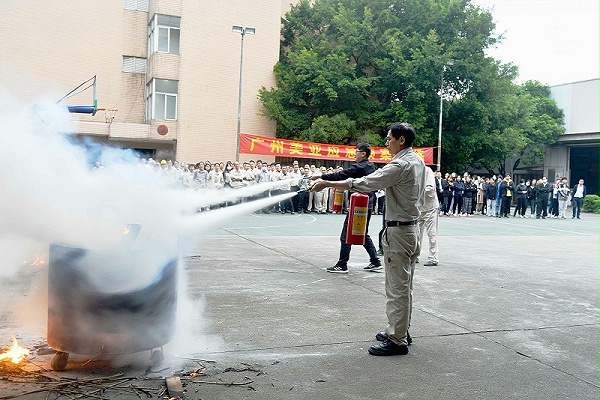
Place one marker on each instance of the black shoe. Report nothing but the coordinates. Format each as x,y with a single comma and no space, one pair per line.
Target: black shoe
372,267
382,337
388,348
338,269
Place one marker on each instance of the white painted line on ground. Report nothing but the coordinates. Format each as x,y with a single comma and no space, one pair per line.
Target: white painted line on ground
539,297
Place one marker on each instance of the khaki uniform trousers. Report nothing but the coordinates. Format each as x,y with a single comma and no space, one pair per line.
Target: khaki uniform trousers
321,201
429,221
401,247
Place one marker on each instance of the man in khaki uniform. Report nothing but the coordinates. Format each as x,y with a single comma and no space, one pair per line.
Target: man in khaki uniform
429,218
404,181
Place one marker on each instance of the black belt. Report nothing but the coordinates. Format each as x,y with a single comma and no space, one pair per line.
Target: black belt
400,223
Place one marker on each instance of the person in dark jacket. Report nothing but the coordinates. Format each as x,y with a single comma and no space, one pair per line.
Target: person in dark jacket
490,195
469,194
531,196
521,192
459,189
553,207
507,190
499,195
542,191
362,167
439,190
447,193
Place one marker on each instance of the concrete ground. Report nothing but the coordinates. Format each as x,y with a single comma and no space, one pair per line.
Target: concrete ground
511,312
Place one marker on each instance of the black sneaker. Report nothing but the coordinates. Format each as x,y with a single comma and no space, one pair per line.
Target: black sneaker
372,267
338,269
388,348
382,337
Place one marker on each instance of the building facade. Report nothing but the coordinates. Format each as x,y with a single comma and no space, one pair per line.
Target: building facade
575,154
170,69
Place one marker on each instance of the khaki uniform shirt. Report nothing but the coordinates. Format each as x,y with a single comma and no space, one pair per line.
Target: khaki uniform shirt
430,200
403,179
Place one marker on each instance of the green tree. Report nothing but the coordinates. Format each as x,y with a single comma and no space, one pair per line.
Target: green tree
348,68
544,121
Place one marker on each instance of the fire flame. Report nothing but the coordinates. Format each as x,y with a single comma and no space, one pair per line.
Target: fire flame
15,354
40,260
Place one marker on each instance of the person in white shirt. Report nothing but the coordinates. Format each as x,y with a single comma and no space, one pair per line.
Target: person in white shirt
295,174
200,177
579,192
236,176
248,175
321,197
276,176
215,178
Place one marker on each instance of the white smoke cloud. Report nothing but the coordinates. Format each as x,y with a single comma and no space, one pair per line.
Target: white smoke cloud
51,196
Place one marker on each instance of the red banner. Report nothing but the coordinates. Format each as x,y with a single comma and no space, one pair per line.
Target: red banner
268,146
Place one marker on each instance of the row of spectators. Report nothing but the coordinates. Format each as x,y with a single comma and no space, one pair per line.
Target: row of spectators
495,195
236,175
458,195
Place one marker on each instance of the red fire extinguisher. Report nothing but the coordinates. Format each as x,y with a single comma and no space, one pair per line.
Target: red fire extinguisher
338,200
357,219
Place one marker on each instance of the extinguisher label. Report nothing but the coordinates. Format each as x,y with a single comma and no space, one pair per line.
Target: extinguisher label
339,198
359,221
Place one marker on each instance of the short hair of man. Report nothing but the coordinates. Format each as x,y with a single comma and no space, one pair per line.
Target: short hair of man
364,147
403,129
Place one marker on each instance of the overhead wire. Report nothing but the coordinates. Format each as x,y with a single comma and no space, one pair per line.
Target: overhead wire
71,94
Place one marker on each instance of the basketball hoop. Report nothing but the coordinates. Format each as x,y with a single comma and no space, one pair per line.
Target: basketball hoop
109,114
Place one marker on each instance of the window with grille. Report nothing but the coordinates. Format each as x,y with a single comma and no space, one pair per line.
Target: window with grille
164,34
161,99
134,65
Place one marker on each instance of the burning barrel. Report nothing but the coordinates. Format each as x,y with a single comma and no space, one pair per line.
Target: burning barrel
91,319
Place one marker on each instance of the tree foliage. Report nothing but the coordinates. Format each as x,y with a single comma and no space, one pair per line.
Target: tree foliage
348,68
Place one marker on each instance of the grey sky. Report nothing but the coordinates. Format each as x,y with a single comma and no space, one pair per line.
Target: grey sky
552,41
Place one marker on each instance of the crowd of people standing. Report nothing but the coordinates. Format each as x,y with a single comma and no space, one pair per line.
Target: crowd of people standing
494,196
458,195
237,175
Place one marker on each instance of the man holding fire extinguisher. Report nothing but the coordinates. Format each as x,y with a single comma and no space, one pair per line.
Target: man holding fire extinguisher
404,181
360,168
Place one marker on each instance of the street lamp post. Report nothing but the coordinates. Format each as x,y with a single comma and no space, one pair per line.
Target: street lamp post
439,146
243,31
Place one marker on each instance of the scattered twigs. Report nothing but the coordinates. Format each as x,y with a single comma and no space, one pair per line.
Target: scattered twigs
226,383
78,388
